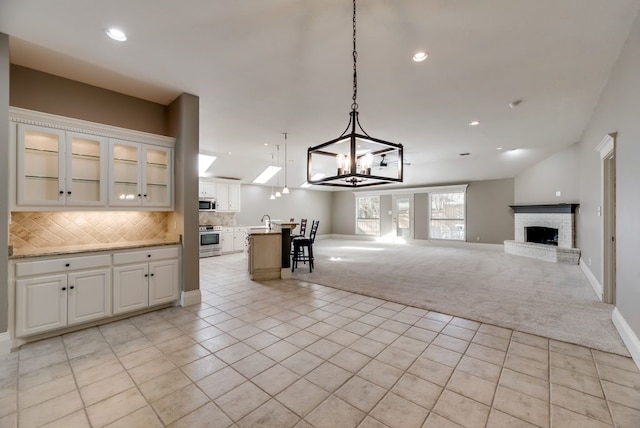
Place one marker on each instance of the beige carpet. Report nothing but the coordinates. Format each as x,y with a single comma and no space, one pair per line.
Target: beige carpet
528,295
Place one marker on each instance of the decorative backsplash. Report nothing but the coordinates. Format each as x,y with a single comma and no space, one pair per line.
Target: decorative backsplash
217,219
61,228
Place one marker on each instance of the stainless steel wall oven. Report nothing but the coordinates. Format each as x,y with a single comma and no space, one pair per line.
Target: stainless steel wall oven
210,240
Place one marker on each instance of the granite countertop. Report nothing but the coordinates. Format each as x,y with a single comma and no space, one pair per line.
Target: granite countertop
90,248
262,231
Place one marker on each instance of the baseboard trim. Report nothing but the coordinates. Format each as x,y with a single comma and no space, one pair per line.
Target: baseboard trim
352,237
628,336
595,284
188,298
5,343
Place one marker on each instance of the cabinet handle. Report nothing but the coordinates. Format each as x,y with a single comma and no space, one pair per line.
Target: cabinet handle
67,265
72,287
64,288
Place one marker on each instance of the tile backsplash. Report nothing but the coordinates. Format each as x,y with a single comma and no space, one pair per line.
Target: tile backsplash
218,219
61,228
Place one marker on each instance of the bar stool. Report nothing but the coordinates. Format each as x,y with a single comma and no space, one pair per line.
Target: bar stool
299,246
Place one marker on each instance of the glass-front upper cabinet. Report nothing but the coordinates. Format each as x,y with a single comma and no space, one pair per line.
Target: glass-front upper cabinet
157,176
58,168
140,175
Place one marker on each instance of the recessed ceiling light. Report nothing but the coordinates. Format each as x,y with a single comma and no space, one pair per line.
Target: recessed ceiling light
420,56
228,153
515,103
499,148
116,34
465,154
265,144
474,123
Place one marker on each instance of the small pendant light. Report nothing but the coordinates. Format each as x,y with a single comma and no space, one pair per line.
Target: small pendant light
285,190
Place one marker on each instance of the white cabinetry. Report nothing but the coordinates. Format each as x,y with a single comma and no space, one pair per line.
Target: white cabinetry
60,292
239,238
227,197
145,278
140,175
207,189
227,240
60,168
64,163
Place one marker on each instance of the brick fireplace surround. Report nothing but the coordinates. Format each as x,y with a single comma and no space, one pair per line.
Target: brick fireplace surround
557,216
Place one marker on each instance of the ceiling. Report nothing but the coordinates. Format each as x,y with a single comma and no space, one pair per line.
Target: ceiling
263,67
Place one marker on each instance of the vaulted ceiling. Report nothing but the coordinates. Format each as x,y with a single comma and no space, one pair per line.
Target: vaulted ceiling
263,67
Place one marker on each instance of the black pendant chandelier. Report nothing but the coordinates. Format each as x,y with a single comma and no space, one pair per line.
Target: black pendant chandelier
354,159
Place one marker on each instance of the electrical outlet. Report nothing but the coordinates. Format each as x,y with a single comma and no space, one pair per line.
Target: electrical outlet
558,193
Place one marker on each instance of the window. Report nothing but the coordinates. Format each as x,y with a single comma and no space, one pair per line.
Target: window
447,216
368,215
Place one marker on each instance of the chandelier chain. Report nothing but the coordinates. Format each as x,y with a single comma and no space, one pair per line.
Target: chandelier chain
354,105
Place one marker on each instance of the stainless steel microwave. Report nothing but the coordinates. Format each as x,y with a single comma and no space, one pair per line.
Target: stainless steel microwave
207,205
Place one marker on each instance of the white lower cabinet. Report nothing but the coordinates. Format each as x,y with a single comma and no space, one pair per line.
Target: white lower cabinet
138,285
56,299
57,292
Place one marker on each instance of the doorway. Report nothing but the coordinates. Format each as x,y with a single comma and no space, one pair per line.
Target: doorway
403,217
607,155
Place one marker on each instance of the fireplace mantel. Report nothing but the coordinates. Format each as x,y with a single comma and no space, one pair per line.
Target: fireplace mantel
545,209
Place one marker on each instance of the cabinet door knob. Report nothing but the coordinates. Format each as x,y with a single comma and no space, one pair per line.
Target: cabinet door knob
148,255
152,274
69,193
72,287
146,275
145,195
139,195
67,264
64,288
62,192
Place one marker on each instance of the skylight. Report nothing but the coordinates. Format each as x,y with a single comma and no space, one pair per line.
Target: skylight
266,175
204,162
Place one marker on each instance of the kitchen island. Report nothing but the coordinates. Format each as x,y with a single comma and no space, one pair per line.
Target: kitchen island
268,252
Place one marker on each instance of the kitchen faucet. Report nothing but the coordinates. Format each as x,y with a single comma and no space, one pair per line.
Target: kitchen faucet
268,223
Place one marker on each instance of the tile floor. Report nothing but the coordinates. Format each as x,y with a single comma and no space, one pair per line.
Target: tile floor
292,354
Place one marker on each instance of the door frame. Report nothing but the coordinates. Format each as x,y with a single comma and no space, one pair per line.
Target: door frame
606,148
394,208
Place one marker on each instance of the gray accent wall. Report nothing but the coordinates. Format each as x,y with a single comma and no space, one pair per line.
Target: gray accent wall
184,123
490,220
560,172
344,213
299,203
4,180
617,111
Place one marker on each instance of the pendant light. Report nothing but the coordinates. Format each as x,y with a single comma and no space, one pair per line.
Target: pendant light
272,197
285,189
354,159
278,194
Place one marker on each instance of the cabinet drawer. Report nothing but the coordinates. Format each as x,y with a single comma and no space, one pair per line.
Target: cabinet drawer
61,265
146,255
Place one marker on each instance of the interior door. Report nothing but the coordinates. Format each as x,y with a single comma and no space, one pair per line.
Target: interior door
403,217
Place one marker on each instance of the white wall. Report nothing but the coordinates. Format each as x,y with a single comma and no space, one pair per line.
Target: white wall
559,172
617,111
300,203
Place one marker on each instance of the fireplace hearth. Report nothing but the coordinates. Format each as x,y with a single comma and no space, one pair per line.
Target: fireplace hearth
545,232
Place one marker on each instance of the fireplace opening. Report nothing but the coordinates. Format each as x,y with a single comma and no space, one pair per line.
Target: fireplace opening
541,235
